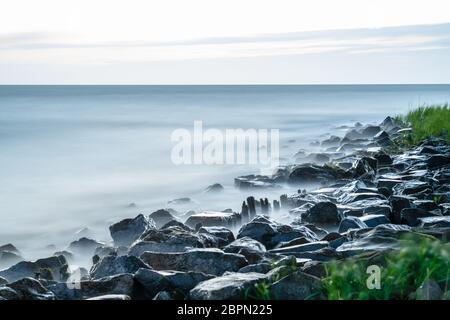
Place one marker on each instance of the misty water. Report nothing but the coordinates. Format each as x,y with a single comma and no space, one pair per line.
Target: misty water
75,157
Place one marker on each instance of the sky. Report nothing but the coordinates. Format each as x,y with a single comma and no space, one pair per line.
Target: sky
224,42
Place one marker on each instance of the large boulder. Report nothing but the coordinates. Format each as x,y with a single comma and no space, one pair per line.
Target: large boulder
322,213
52,268
119,284
209,261
296,286
111,265
125,232
224,235
351,223
213,219
30,289
231,286
310,173
161,217
244,243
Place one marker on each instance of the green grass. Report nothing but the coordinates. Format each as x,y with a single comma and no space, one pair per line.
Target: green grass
402,272
427,121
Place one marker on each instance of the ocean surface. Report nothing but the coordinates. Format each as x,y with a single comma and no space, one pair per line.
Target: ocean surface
75,157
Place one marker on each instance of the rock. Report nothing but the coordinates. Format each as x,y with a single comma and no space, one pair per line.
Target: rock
56,265
398,203
294,242
228,287
351,223
3,281
213,219
104,251
125,232
67,254
8,259
369,131
258,268
244,242
9,248
84,246
209,261
332,141
30,289
111,297
252,256
164,295
110,266
310,173
225,234
438,161
296,286
172,239
161,217
429,290
123,284
373,220
322,213
180,201
365,168
434,222
324,254
214,188
7,293
410,216
314,246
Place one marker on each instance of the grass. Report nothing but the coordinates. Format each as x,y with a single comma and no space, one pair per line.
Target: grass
427,121
402,272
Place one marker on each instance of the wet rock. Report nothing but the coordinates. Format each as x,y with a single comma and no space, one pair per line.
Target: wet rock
104,251
172,239
294,242
410,216
111,297
438,161
373,220
3,281
8,259
164,296
7,293
228,287
161,217
428,205
434,222
258,268
296,286
365,167
30,289
120,284
214,188
324,254
429,290
180,201
125,232
322,213
56,265
255,182
224,234
314,246
369,131
9,248
332,141
383,159
110,266
209,261
351,223
84,246
310,173
67,254
213,219
253,256
398,203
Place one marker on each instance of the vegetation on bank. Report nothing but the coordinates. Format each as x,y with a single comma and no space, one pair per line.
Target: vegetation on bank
427,121
402,272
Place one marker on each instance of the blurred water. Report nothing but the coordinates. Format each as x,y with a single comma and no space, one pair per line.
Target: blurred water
76,156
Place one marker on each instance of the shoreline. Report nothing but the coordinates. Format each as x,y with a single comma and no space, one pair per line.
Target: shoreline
370,194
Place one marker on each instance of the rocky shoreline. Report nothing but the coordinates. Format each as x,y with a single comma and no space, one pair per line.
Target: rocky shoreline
369,193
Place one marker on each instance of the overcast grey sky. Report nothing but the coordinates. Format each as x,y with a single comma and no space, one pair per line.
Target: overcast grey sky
224,42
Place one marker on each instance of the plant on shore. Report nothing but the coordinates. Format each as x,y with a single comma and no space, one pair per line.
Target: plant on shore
426,121
402,272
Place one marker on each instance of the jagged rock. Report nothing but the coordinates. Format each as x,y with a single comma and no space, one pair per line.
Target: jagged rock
244,242
56,265
438,161
294,242
398,203
209,261
3,281
258,268
30,289
125,232
351,223
434,222
369,131
110,266
161,217
296,286
310,173
84,246
214,188
225,235
410,216
7,293
322,213
313,246
332,141
111,297
213,219
429,290
120,284
172,239
164,296
104,251
373,220
8,259
228,287
67,254
9,248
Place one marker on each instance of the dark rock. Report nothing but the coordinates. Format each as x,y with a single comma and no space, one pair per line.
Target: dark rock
161,217
258,268
3,281
125,232
438,161
30,289
351,223
322,213
228,287
209,261
410,216
214,188
57,265
111,297
180,201
213,219
332,141
84,246
8,259
110,266
373,220
296,286
370,131
314,246
310,173
434,222
429,290
9,248
220,232
398,203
